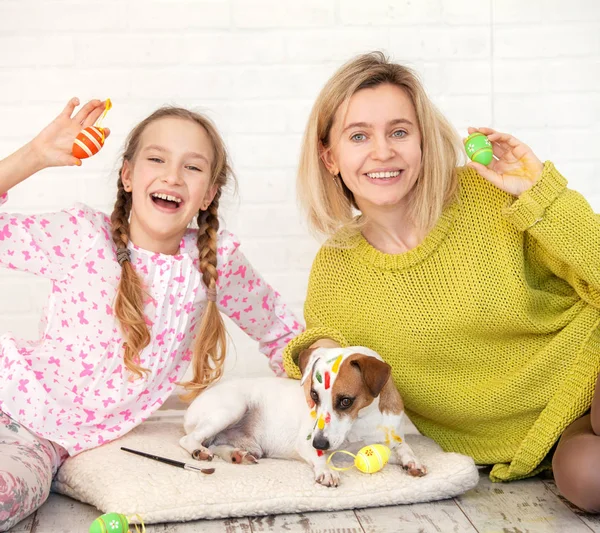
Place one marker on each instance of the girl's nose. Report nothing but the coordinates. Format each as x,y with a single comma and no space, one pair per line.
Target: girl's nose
171,175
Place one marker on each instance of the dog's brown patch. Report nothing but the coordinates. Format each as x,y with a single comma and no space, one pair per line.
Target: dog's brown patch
390,400
360,377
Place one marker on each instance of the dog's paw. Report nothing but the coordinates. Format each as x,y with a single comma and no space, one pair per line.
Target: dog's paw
202,454
328,478
415,469
242,457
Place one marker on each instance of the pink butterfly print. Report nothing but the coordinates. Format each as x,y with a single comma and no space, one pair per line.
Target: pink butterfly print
180,337
110,384
90,416
66,240
179,279
82,319
94,306
5,233
10,252
46,388
106,234
161,337
258,283
82,355
250,285
44,223
87,369
109,310
53,361
264,302
38,375
126,414
57,251
28,222
225,299
82,297
103,293
22,385
90,267
107,402
248,309
236,315
295,326
55,287
101,253
241,271
171,299
26,255
69,348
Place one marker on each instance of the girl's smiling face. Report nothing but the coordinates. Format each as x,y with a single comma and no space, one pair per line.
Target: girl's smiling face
170,181
376,147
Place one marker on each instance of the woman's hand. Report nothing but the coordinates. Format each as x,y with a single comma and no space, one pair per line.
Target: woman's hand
53,145
515,168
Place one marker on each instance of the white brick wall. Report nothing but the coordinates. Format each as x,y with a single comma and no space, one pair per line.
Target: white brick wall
531,68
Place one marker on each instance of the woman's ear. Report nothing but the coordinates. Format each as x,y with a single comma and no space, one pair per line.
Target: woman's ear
327,158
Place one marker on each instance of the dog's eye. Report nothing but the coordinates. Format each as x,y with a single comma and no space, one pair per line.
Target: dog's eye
346,403
314,395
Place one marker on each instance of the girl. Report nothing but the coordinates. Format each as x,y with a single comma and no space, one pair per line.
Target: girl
479,285
135,297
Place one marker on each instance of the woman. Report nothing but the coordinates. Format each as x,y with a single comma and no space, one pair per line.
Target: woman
480,286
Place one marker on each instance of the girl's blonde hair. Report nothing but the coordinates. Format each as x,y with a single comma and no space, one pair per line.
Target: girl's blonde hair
210,347
328,202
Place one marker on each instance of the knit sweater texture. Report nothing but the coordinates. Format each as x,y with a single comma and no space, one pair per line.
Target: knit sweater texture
490,324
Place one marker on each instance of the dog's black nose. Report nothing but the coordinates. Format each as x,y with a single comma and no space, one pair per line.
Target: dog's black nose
321,442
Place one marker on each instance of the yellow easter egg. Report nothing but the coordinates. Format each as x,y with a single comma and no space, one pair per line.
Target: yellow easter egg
372,458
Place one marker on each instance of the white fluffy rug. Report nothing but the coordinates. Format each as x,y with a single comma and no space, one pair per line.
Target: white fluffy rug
117,481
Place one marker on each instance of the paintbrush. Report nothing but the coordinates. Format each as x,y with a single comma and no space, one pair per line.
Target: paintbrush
173,462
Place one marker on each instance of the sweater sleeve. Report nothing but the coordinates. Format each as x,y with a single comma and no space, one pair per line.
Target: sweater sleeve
47,245
316,327
258,309
565,232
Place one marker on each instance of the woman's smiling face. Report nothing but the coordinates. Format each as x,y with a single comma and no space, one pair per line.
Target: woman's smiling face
376,147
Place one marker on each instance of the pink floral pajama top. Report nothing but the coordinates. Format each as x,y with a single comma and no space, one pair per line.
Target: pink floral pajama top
71,386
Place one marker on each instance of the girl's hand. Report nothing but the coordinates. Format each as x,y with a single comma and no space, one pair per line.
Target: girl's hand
515,169
52,146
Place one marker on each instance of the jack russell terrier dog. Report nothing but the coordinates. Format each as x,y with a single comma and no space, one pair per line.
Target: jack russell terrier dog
346,398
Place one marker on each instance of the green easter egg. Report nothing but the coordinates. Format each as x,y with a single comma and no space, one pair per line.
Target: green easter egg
479,148
110,523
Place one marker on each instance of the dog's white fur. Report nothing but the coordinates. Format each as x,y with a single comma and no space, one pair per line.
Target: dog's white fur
243,420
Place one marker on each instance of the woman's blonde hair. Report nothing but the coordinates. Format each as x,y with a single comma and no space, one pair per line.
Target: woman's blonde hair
327,201
210,347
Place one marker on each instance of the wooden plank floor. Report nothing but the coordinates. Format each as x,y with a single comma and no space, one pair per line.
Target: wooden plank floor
528,506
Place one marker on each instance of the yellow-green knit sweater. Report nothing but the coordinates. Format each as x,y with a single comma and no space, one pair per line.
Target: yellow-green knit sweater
490,324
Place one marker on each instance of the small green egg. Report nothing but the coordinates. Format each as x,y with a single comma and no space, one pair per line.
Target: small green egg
479,148
110,523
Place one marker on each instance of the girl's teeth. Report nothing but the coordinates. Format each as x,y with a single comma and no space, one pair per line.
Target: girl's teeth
383,175
167,197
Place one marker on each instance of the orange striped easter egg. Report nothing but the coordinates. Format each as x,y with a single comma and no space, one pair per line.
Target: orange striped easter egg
88,142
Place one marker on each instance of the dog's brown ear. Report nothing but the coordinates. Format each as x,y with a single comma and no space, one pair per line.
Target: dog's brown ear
304,358
375,373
